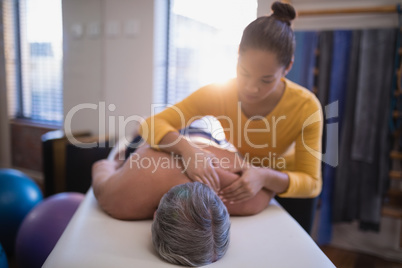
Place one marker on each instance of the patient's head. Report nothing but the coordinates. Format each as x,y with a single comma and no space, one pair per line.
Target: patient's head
191,226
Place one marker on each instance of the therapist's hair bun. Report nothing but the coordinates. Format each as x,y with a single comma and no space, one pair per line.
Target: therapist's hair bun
283,12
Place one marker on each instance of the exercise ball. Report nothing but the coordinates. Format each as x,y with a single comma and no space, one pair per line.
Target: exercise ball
3,258
42,228
18,195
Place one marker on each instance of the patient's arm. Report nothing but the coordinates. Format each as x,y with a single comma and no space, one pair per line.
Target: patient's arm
130,192
102,171
134,190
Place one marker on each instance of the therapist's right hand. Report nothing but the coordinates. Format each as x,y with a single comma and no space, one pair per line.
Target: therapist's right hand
199,166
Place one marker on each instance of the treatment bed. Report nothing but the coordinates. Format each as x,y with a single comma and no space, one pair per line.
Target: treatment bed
93,239
270,239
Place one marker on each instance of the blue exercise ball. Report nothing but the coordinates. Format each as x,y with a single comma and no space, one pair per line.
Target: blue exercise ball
18,195
3,258
42,228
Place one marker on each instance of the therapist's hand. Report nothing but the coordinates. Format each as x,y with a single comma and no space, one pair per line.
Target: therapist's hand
250,182
199,166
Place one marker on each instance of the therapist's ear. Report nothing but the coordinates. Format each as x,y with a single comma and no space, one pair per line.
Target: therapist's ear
287,70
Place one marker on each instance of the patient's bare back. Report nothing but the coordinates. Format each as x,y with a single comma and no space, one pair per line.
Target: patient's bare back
135,190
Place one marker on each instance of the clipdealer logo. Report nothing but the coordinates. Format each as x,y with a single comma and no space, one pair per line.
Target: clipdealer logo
331,139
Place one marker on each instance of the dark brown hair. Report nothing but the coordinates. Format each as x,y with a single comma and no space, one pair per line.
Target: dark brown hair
272,33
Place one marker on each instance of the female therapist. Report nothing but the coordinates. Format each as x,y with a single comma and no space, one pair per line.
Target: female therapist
275,124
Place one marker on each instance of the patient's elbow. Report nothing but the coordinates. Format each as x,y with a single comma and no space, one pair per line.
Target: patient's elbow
116,214
111,207
244,210
107,200
250,207
253,210
123,207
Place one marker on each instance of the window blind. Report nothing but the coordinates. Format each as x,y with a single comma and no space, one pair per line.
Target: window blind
34,59
8,9
204,37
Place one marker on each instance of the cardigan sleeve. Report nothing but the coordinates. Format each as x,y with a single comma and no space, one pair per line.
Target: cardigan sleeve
305,180
199,104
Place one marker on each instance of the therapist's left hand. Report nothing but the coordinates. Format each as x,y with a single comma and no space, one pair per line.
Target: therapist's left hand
250,182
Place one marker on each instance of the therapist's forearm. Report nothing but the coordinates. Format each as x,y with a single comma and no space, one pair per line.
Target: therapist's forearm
275,181
174,142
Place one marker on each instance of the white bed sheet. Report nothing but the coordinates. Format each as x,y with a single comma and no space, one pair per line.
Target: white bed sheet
270,239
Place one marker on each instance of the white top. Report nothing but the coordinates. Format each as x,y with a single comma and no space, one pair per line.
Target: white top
270,239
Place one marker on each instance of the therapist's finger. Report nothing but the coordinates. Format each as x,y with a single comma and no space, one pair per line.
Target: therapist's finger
234,186
207,181
215,179
212,175
239,199
197,179
233,195
211,182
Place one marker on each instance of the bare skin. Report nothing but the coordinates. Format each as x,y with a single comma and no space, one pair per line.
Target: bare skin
133,191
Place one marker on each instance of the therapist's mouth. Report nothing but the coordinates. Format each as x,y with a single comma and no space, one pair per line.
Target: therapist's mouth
250,97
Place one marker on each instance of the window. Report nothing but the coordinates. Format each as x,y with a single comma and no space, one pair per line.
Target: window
34,70
204,37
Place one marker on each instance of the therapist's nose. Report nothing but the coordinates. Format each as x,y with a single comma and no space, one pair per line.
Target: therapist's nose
251,87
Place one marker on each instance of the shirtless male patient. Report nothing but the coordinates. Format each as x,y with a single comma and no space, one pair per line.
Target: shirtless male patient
132,191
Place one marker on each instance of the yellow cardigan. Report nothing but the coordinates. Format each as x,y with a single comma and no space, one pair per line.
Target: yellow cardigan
288,139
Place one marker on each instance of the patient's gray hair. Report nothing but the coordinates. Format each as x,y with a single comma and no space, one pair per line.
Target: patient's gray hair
191,226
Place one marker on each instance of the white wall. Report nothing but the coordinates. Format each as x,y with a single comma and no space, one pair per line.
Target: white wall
110,62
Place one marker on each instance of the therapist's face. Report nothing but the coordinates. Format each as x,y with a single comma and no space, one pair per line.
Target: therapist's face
258,75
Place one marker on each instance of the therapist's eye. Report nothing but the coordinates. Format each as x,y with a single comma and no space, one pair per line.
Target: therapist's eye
267,81
244,74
